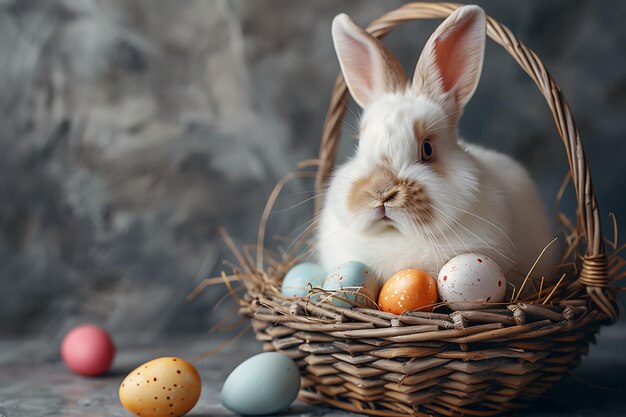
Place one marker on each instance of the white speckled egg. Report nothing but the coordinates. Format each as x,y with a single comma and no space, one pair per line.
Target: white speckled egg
347,280
471,278
263,384
297,280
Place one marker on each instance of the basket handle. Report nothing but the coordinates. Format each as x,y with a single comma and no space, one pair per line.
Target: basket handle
594,272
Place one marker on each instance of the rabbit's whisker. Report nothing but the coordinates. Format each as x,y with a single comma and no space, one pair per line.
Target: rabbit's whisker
486,221
473,234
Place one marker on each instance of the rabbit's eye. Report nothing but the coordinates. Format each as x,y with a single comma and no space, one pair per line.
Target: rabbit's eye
427,151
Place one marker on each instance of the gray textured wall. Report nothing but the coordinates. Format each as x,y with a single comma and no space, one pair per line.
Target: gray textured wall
131,130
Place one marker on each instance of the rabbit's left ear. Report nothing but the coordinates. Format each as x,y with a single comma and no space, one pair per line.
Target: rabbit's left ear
450,65
369,68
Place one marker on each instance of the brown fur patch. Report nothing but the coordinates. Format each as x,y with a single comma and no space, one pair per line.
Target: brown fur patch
437,166
419,130
383,186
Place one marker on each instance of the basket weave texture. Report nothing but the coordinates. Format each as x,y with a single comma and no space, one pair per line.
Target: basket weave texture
484,362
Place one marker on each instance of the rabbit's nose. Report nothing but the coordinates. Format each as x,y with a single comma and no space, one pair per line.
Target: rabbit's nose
388,196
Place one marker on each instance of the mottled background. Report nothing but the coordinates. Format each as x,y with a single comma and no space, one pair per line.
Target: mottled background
131,130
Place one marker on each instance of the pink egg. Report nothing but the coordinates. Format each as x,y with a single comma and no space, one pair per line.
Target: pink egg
88,350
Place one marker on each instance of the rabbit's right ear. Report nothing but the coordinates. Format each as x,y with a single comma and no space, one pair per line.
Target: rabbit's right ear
449,68
369,68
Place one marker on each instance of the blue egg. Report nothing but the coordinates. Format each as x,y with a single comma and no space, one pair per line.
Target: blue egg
352,276
263,384
297,280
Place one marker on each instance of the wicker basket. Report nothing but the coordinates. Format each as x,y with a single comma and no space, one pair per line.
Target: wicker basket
483,362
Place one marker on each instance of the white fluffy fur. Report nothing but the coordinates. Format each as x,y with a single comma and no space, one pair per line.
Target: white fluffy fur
485,202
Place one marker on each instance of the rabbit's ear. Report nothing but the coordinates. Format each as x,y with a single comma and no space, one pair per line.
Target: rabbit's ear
450,65
368,67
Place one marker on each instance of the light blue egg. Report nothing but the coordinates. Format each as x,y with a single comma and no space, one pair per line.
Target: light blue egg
351,276
297,280
263,384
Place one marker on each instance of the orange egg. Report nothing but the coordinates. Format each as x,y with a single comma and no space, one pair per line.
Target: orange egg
410,289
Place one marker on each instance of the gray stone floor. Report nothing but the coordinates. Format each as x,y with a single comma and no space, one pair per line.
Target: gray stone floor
33,383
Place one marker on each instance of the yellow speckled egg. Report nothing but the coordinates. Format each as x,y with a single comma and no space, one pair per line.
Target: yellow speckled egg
163,387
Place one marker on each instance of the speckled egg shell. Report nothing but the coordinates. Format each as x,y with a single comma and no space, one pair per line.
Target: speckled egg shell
263,384
410,289
296,281
347,280
471,278
163,387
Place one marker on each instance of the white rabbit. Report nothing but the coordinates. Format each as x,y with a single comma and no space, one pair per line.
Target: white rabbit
413,195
